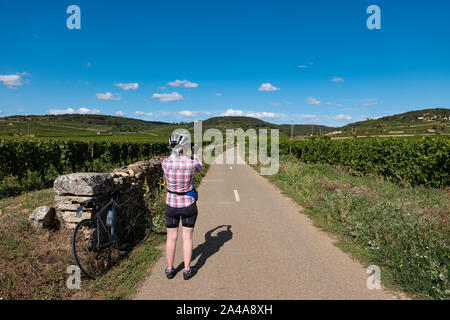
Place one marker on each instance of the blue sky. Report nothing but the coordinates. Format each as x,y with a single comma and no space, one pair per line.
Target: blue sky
309,61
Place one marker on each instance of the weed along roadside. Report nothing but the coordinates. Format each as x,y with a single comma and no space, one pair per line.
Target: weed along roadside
402,229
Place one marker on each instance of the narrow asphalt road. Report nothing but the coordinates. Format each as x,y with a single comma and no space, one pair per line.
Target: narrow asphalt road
251,242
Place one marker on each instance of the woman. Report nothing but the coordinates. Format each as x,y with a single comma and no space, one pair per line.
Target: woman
181,200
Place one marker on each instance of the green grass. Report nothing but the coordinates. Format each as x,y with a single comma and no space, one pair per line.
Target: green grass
33,263
125,277
403,230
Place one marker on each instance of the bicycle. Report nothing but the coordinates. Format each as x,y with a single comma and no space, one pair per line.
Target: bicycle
126,226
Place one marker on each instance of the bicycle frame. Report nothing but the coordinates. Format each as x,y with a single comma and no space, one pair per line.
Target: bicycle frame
102,226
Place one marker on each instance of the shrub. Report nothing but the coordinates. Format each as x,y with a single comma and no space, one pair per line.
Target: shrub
423,161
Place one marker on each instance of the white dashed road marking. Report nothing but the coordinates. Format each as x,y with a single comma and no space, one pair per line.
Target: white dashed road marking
236,195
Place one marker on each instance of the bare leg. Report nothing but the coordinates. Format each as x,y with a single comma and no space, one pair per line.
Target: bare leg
187,246
171,245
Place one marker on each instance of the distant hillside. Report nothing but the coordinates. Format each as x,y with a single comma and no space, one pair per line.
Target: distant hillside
124,129
84,126
236,122
115,122
305,129
413,122
247,122
437,113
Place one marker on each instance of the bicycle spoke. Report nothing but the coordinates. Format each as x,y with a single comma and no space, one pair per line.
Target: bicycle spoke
91,256
136,224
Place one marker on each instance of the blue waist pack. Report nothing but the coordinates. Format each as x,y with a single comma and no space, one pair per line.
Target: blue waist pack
193,193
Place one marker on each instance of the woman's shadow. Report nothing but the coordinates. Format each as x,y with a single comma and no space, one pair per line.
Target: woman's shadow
211,246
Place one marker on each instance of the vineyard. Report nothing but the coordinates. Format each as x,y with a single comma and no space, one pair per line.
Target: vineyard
31,164
416,161
34,164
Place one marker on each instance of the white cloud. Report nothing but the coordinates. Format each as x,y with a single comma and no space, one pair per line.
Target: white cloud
304,66
342,117
369,104
191,114
188,113
311,100
108,96
72,111
128,86
119,113
288,102
58,111
311,118
1,111
183,83
20,110
162,87
268,87
218,94
141,114
232,112
337,79
14,80
276,104
88,111
11,80
269,115
334,104
235,113
165,97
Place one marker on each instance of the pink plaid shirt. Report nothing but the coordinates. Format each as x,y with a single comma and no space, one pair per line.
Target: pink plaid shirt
179,172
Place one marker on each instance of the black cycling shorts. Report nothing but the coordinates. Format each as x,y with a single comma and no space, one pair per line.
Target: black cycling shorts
187,214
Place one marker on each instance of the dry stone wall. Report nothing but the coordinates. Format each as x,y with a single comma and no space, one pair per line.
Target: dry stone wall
72,189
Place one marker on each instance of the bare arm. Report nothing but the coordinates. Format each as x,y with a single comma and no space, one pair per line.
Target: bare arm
198,166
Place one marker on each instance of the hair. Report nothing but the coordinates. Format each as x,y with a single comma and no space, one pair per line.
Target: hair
177,151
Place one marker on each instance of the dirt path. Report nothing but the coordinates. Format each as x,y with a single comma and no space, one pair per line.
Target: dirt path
251,242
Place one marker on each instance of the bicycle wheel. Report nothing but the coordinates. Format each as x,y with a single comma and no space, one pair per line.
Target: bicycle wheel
133,226
91,249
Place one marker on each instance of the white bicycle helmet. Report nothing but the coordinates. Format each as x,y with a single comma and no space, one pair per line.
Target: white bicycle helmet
179,141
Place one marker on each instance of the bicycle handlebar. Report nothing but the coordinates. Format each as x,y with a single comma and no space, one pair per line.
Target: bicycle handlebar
118,190
83,205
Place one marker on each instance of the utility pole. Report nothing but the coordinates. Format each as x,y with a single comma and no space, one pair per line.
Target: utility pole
292,129
292,136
